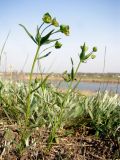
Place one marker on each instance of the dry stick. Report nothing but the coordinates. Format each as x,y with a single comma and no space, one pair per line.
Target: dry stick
104,68
4,46
25,62
104,59
51,65
104,64
56,145
95,156
38,66
5,61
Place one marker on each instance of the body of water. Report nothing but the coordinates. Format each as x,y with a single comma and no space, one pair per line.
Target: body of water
90,86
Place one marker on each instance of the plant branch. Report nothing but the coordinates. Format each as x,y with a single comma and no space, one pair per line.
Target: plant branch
29,86
46,28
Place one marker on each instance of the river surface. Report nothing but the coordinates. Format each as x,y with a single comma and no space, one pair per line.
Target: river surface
90,86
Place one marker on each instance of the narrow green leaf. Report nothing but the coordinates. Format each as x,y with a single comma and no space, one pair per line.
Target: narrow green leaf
46,55
72,61
29,34
51,40
38,36
72,73
82,55
43,82
46,37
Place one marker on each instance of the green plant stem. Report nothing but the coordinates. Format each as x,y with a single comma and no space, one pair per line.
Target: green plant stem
77,68
41,25
68,91
59,121
48,48
56,32
46,28
29,86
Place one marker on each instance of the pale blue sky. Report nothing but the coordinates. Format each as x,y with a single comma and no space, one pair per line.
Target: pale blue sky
96,22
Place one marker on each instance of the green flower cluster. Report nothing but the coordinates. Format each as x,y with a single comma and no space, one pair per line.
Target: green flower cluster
65,29
83,56
48,19
58,45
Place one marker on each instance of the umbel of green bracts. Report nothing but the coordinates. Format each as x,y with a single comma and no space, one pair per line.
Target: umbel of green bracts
55,22
66,76
93,56
65,29
47,18
69,76
43,40
83,56
94,49
58,45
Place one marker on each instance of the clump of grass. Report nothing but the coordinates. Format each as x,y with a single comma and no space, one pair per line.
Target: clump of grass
100,112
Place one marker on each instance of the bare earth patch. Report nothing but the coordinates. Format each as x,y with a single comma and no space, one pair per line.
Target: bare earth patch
77,144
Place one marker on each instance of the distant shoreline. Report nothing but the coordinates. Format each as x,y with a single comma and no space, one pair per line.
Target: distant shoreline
83,77
90,80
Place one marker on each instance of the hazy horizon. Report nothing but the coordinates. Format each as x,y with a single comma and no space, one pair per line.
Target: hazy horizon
95,22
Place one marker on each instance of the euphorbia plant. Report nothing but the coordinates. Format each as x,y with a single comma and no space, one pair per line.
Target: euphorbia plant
41,40
69,78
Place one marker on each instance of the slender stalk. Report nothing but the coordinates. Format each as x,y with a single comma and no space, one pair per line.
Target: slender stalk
41,25
29,86
68,91
59,121
56,32
47,48
77,68
46,28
